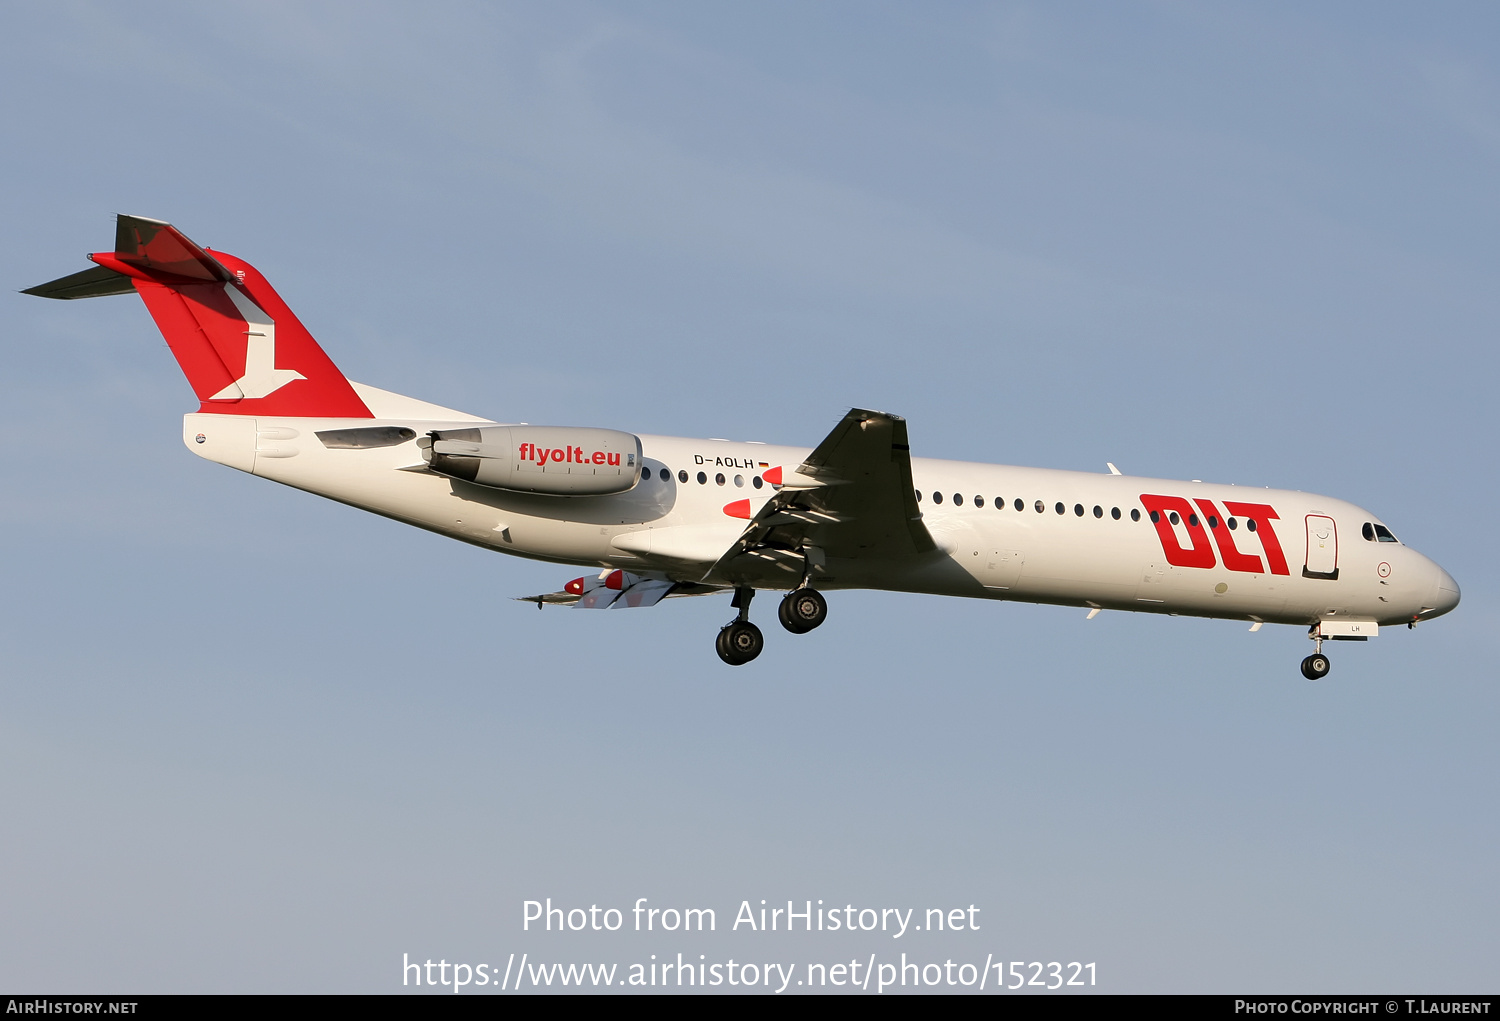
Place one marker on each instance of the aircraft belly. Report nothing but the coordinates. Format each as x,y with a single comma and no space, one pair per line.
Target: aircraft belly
1212,593
1077,573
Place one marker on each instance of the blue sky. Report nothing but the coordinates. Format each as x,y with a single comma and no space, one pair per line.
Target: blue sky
254,741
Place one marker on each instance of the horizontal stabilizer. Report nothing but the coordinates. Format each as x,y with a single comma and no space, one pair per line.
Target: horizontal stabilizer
240,346
160,249
98,282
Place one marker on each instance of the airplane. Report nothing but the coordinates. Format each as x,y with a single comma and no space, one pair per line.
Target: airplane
662,516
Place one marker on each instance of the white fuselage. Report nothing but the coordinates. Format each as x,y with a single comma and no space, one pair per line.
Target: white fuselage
1108,558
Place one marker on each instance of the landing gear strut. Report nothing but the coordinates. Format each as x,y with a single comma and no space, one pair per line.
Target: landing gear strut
740,641
1315,667
803,610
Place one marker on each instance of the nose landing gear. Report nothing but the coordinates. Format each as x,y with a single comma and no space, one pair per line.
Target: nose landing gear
740,641
1316,666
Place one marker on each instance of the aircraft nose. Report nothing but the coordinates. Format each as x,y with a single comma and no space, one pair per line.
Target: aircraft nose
1445,594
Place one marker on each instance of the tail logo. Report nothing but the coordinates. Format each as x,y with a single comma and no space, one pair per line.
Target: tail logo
261,378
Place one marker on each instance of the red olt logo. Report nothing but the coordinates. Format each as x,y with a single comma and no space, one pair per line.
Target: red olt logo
1258,518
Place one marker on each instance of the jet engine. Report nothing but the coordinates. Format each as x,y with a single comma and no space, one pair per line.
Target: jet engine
556,461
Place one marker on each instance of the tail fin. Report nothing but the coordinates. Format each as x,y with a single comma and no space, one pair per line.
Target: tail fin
240,346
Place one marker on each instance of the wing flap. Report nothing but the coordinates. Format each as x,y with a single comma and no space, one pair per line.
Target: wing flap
617,590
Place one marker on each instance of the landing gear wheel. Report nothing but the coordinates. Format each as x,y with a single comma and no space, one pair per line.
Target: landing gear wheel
802,610
739,642
1315,667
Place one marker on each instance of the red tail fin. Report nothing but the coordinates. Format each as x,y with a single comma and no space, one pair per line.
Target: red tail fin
240,346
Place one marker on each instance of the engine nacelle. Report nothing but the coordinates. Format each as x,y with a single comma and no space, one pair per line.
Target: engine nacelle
556,460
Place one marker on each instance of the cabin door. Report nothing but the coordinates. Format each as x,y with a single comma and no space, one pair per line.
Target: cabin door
1322,548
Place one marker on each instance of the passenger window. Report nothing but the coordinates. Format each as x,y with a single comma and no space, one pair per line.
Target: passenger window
958,499
702,479
682,475
978,501
1250,524
1114,512
1078,509
919,496
666,476
1213,522
1384,534
1192,520
719,478
739,482
1135,515
1233,524
1040,506
1155,517
757,482
937,497
1020,505
1368,532
1099,511
1061,509
1172,517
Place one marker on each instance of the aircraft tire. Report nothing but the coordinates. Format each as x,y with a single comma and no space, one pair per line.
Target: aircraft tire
802,610
739,642
1315,667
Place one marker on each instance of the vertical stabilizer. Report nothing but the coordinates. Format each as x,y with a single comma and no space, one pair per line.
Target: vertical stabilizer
242,349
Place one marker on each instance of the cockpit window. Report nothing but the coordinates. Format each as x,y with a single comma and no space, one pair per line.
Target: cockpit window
1368,532
1384,534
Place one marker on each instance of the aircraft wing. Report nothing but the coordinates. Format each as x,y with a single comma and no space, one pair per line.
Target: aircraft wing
616,590
851,499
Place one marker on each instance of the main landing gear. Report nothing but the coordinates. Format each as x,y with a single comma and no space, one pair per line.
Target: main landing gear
803,610
1315,667
740,641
